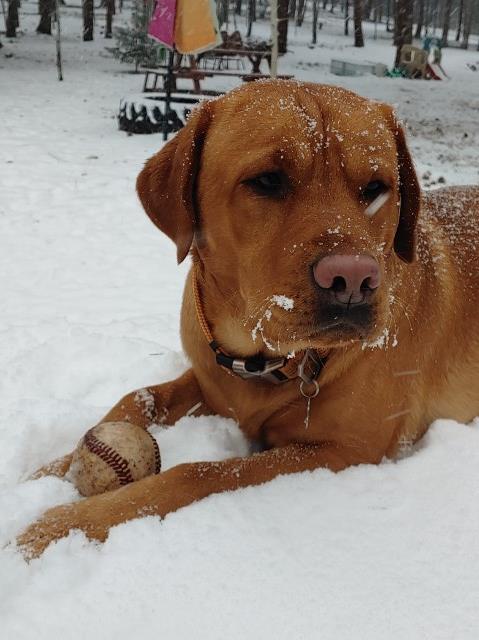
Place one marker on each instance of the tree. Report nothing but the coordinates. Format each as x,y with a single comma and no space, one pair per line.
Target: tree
358,23
403,26
88,19
251,16
445,24
46,8
388,16
315,20
110,12
283,26
420,19
12,23
300,12
222,11
346,18
133,42
469,6
459,20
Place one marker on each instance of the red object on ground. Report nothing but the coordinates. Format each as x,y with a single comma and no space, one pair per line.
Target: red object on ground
432,71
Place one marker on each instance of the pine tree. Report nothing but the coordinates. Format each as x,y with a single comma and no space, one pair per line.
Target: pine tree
133,42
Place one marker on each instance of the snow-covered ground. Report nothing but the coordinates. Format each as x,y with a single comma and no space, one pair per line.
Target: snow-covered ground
90,297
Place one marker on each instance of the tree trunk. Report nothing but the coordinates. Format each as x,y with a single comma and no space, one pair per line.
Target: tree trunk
292,9
45,9
222,11
12,19
420,19
346,18
403,26
300,13
445,24
251,16
358,23
315,20
282,26
468,16
58,40
238,7
459,20
110,12
388,16
88,19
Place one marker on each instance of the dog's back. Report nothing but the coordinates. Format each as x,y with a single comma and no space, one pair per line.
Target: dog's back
448,249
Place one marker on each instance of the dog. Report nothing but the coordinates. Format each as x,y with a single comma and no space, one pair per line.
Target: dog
330,309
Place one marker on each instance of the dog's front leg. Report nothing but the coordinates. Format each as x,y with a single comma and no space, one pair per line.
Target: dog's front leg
161,404
176,488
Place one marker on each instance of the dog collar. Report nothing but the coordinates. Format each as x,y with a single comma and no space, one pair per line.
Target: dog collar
306,365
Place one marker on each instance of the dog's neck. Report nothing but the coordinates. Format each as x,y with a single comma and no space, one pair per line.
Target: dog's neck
306,365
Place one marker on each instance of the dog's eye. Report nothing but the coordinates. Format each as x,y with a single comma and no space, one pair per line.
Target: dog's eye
373,189
267,184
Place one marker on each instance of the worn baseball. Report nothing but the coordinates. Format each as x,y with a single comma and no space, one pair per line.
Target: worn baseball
111,455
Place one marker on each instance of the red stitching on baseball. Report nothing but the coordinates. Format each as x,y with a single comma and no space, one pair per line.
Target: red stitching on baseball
111,457
157,453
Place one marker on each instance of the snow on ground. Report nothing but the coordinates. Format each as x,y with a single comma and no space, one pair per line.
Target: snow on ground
91,296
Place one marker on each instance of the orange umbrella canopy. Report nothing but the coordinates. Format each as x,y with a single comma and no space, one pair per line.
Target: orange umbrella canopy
196,26
189,26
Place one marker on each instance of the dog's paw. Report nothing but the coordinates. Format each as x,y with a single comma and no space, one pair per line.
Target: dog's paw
58,467
55,524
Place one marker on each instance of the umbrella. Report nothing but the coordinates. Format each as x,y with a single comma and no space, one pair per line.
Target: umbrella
185,26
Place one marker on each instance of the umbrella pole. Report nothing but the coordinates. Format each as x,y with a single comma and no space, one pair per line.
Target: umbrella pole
169,84
274,38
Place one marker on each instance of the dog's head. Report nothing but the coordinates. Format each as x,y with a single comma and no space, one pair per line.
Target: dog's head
299,201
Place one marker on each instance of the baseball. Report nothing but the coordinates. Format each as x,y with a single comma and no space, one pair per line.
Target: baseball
111,455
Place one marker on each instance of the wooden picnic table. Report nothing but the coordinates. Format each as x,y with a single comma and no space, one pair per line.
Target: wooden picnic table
254,56
156,79
153,76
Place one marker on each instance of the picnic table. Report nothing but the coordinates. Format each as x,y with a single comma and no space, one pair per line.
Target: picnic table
221,57
157,79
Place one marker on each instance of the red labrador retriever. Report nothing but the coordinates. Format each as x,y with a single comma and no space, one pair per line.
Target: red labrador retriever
307,316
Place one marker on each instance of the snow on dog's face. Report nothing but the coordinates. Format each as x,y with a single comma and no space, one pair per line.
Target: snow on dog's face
296,190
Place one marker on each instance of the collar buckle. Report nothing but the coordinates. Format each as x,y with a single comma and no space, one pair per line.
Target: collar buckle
310,367
254,367
249,368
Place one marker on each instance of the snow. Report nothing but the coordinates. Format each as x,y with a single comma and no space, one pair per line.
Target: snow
91,296
283,301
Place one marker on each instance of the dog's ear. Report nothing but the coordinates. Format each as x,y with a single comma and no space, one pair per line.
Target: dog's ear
410,193
166,185
405,239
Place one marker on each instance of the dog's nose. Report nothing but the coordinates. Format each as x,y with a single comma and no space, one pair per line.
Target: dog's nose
350,278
